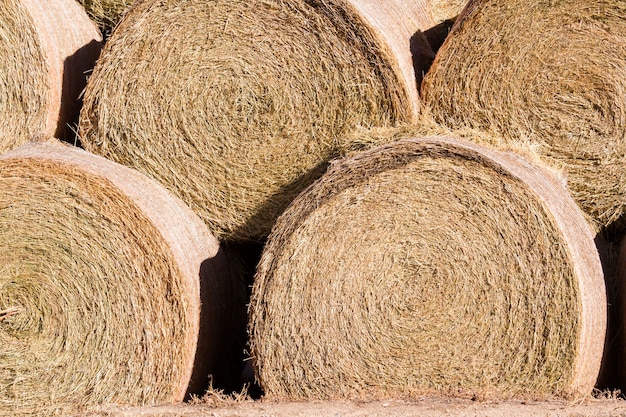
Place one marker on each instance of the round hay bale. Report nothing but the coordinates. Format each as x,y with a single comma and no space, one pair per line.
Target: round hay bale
106,13
111,289
45,51
424,266
236,106
552,74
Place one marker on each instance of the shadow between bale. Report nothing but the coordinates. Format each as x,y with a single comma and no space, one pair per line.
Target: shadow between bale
422,55
609,376
437,35
245,256
219,359
274,205
76,69
616,370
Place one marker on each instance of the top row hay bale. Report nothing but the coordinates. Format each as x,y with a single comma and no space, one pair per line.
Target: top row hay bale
236,106
106,13
45,51
429,265
112,290
547,73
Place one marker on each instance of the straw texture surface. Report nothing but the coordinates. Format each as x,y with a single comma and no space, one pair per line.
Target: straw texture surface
551,73
429,265
236,106
111,290
45,51
106,13
443,10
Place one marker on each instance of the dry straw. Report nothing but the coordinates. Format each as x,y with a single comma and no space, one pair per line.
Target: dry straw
429,265
236,106
443,10
551,73
111,290
106,13
46,49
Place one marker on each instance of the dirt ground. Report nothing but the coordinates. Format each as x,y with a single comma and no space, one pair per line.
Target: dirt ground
426,407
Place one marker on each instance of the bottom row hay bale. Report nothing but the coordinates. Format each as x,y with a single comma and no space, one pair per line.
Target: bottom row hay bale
429,266
111,290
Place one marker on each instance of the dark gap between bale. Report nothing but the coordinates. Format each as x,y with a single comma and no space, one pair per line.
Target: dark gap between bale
613,374
620,296
548,73
437,35
443,14
111,289
245,257
237,106
609,377
47,47
429,266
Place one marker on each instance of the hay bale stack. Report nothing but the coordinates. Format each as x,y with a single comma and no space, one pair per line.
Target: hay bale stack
236,106
111,290
106,13
45,51
548,73
424,266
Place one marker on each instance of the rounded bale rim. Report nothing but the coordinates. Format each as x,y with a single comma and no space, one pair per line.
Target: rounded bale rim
111,289
429,265
46,51
243,104
553,76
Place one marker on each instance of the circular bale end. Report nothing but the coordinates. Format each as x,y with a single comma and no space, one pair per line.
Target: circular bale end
47,47
553,75
111,290
424,266
236,106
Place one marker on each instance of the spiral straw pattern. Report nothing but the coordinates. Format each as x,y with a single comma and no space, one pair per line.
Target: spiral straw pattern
552,74
429,265
236,106
111,290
